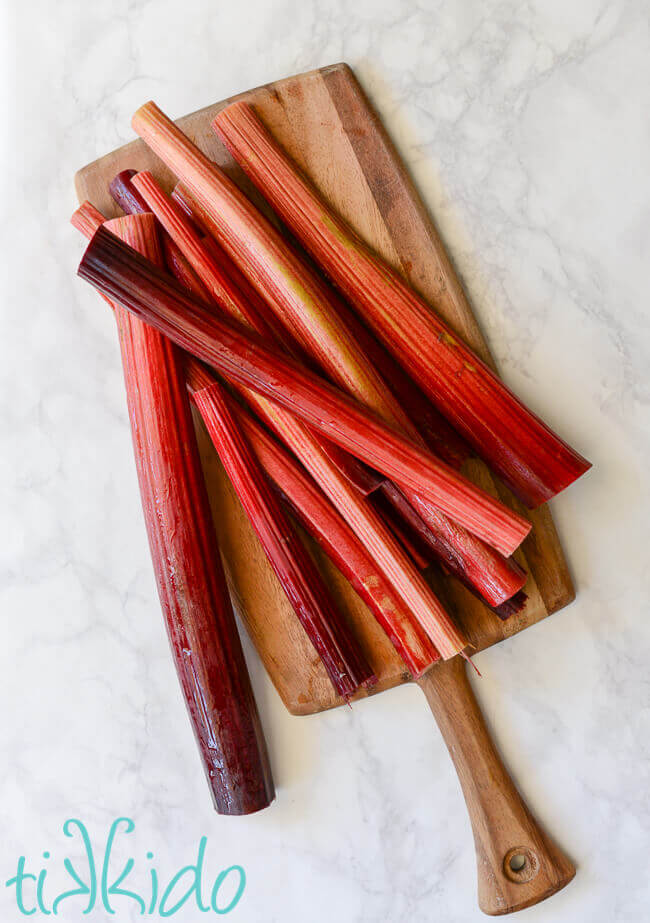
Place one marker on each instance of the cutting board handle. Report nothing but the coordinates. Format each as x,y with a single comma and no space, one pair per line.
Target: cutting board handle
518,865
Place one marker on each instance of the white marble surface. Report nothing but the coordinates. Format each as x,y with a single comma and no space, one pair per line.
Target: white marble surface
526,127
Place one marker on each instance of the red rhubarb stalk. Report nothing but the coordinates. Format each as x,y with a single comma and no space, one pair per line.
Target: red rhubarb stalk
265,257
229,289
191,583
434,429
332,638
528,456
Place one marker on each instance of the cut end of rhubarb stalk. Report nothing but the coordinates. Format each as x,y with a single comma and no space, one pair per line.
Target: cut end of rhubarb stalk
511,606
87,219
139,232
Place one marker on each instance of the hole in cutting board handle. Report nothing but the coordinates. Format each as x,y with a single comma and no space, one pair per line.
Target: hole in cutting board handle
520,864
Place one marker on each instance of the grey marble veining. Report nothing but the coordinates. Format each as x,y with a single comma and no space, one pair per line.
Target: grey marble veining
526,128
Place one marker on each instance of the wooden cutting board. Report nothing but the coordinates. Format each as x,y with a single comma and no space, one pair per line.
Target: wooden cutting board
327,124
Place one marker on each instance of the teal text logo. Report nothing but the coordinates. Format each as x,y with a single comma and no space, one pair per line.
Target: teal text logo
93,883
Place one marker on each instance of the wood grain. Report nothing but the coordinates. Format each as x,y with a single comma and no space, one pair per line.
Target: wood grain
326,123
502,825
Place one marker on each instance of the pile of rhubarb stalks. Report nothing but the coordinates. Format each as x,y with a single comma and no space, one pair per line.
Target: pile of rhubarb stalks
335,397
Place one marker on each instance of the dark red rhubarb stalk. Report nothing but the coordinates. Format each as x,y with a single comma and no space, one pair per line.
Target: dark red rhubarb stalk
274,267
191,583
125,195
326,628
229,289
528,456
320,519
120,273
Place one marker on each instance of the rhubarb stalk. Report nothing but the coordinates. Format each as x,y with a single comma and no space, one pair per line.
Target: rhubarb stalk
310,599
191,583
131,202
528,456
